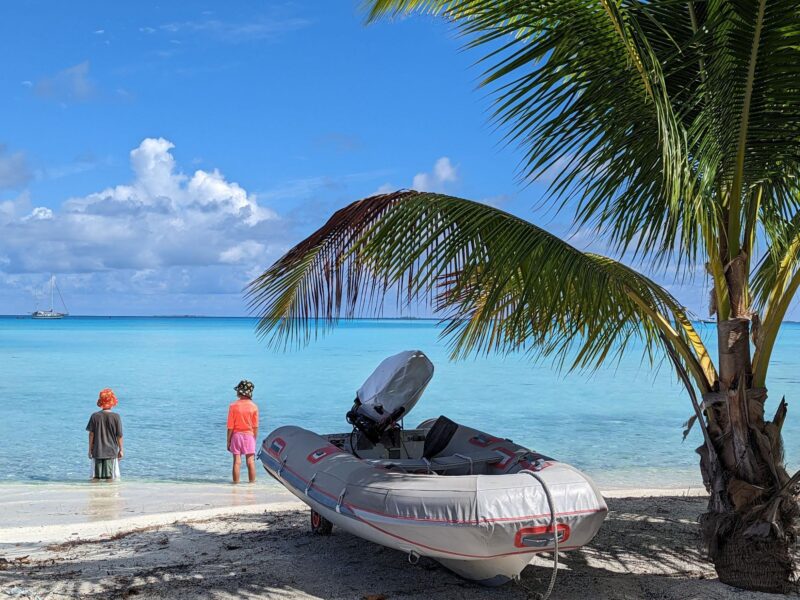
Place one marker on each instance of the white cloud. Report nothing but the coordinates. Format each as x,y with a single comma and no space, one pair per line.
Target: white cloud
162,219
444,172
11,210
40,213
14,169
70,84
384,189
160,188
246,251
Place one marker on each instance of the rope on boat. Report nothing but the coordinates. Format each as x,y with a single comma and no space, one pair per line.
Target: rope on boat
341,498
310,483
554,527
467,457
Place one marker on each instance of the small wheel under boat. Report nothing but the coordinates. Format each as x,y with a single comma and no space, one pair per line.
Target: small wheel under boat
319,524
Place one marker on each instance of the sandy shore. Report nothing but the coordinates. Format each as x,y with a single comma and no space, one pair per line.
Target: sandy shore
648,548
35,504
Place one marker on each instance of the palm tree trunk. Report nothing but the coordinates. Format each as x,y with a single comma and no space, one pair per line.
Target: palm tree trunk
749,527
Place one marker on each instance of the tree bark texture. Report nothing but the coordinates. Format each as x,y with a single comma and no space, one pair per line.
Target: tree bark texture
749,528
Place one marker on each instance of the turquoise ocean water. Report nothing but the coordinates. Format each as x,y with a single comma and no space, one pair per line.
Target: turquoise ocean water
175,378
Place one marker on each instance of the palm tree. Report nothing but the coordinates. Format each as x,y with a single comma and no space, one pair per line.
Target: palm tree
676,129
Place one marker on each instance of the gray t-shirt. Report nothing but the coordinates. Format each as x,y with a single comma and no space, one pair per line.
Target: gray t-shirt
107,427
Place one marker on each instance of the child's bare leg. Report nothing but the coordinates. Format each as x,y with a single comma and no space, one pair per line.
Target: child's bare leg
251,467
237,465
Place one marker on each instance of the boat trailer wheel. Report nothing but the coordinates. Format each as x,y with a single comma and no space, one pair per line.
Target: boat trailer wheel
319,524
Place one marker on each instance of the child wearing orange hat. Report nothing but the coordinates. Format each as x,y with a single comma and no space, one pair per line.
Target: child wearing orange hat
105,437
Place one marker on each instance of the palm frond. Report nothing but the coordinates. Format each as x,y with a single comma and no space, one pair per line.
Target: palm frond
775,283
499,282
666,119
581,87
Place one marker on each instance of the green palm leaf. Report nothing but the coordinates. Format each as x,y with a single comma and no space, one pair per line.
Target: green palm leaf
500,283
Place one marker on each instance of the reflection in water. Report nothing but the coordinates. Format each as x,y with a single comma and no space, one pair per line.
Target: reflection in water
243,494
104,501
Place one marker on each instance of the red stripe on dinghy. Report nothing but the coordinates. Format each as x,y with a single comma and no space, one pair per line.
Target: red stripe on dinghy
451,521
443,551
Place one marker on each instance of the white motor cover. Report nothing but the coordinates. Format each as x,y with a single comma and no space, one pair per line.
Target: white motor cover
397,382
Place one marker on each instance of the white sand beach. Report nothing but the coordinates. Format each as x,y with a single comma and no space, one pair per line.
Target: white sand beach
222,541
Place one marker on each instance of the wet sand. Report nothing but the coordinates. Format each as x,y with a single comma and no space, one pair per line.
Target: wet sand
34,504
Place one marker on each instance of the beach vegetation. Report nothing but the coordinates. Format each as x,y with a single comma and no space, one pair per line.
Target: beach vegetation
672,131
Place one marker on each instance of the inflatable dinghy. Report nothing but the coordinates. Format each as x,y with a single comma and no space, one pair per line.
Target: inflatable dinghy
480,505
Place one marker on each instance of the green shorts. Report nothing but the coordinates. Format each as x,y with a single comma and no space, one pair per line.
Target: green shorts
104,468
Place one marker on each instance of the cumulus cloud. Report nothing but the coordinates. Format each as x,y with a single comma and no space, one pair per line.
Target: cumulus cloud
443,172
162,219
69,85
14,169
160,188
40,213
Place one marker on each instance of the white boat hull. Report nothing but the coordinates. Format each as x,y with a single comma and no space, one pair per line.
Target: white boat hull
485,526
41,314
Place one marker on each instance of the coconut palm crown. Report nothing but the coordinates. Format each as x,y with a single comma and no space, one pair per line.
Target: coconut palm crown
675,127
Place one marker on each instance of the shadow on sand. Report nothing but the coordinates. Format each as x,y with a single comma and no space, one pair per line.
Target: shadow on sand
648,548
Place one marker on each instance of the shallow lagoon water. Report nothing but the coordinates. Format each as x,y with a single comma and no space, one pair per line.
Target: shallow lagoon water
175,377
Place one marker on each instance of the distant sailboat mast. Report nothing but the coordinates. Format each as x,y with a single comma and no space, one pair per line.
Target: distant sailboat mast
51,313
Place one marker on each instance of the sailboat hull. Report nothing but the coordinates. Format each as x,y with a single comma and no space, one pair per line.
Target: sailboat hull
46,314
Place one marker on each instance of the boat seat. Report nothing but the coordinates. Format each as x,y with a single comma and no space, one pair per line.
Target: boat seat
407,465
438,437
470,463
466,461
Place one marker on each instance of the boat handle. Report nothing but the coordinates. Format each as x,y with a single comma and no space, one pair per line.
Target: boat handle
413,557
465,457
541,540
283,464
310,483
339,501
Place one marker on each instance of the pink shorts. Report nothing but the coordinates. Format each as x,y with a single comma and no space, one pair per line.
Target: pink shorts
242,443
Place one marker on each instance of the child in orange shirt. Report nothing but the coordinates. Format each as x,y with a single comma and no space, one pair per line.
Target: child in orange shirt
243,430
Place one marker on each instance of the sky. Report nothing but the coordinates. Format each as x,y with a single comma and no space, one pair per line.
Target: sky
158,156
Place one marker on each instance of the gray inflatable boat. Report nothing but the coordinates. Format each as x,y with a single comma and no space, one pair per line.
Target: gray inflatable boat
480,505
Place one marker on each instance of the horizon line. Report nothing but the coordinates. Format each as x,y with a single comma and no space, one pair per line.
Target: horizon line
189,316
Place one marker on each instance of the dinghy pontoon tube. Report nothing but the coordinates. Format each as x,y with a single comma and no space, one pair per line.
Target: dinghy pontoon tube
443,490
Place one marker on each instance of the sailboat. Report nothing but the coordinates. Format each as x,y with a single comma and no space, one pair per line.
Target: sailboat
52,314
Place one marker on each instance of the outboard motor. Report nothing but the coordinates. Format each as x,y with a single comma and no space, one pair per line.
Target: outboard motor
390,393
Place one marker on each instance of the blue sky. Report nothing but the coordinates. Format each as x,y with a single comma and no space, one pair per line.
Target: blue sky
159,155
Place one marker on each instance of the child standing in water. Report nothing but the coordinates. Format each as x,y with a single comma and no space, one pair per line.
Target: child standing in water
105,437
243,430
